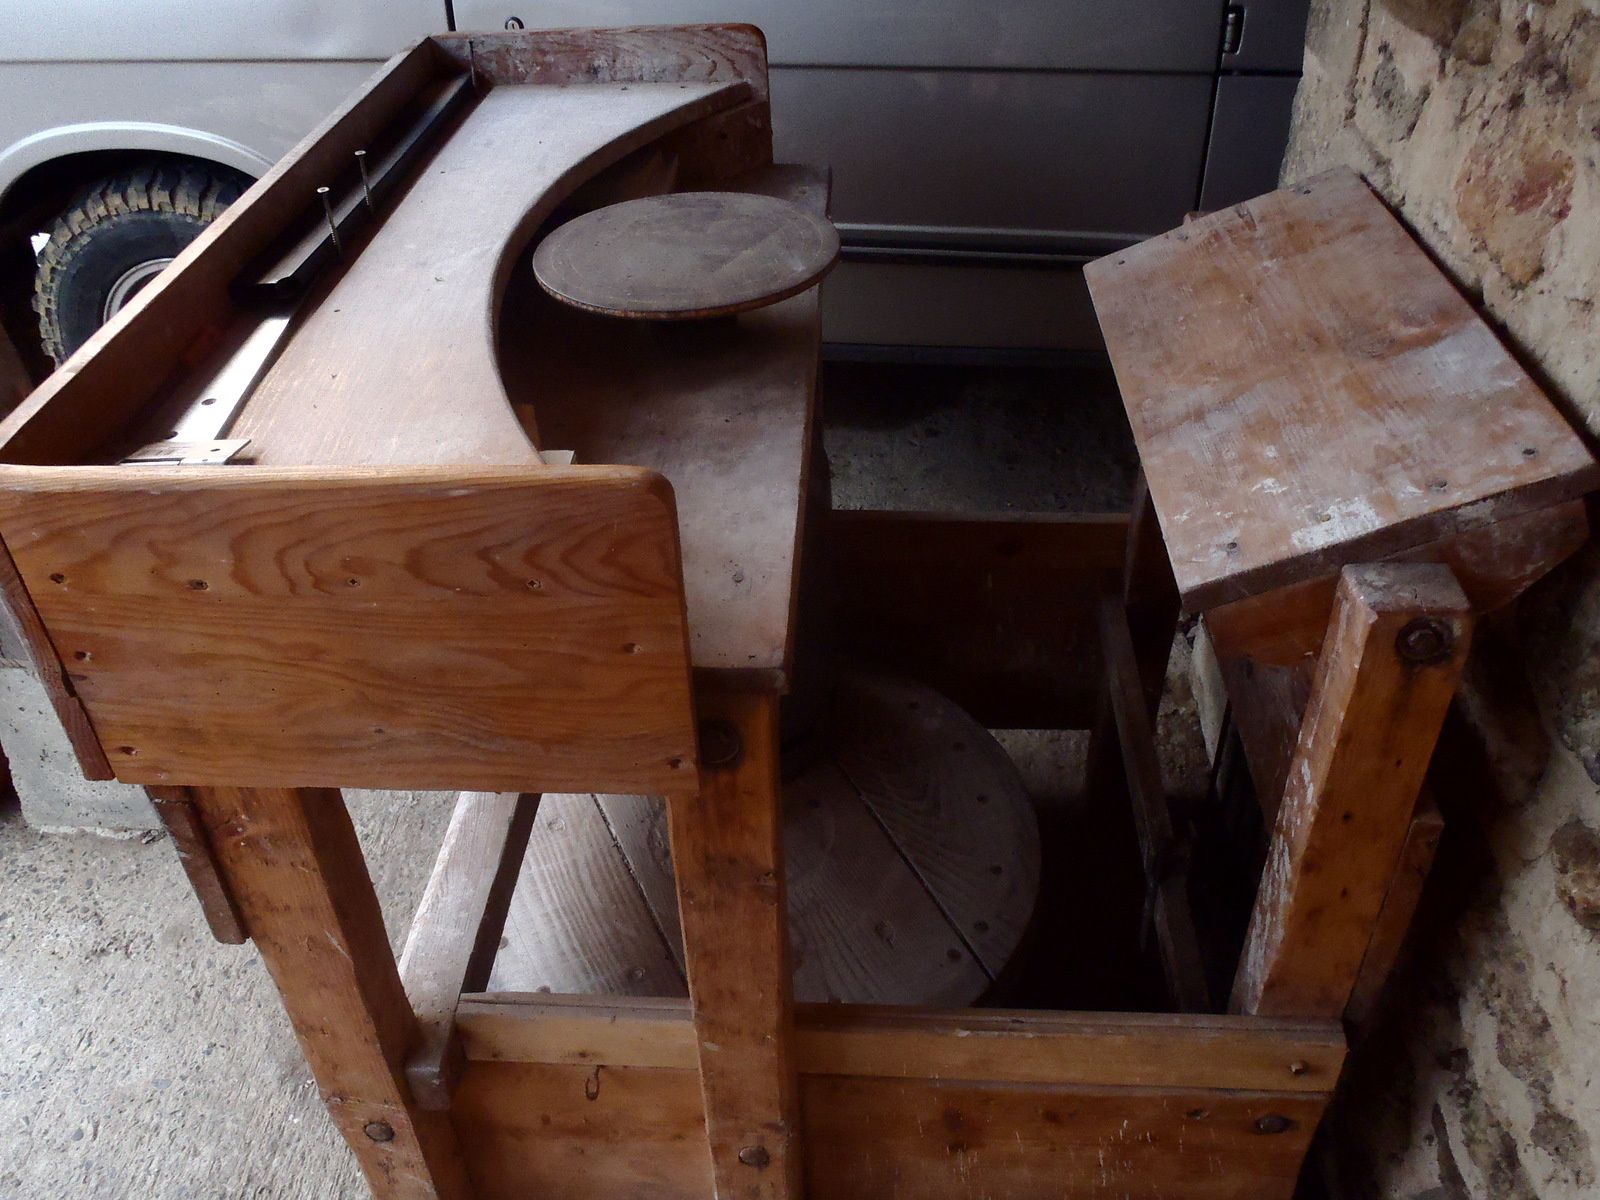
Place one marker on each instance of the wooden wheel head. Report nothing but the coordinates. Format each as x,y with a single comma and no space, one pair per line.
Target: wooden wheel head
687,255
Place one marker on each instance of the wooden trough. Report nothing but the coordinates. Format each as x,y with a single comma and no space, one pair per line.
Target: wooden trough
290,524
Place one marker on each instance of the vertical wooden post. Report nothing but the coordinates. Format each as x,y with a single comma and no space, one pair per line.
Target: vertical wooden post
1150,599
296,872
1396,642
727,854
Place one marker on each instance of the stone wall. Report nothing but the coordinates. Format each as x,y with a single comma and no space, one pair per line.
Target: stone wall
1479,121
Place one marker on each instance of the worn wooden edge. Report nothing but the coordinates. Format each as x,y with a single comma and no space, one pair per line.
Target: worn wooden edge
625,54
1164,856
181,817
1158,1050
457,928
42,658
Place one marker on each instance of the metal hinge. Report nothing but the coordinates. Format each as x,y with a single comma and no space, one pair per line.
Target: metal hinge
1233,29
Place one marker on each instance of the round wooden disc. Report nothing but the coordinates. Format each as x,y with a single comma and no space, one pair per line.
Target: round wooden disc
686,255
912,856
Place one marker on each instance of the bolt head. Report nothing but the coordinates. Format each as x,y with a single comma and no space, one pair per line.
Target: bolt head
1425,640
379,1131
754,1156
720,744
1273,1123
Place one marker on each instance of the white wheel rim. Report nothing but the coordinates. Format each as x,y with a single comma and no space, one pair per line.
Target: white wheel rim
130,282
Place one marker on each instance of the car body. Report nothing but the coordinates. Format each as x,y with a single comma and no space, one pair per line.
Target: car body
981,152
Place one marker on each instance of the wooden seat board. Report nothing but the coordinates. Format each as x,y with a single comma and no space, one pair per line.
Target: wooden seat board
1307,389
396,364
722,409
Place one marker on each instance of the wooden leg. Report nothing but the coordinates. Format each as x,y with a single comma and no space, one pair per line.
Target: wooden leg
726,851
295,870
1150,598
1389,666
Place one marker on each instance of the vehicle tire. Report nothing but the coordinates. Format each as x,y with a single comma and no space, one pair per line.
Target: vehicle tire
115,238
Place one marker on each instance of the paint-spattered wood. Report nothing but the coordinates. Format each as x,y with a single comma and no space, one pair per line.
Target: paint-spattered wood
728,855
1307,389
294,866
1364,747
413,318
722,410
456,930
503,631
686,256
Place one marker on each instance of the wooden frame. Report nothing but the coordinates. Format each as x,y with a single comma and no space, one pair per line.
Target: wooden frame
401,593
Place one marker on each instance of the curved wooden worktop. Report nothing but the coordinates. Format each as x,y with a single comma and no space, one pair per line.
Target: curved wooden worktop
396,363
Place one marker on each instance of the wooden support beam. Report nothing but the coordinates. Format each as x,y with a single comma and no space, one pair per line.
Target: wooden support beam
727,854
1399,907
456,930
182,820
1164,857
293,864
1388,669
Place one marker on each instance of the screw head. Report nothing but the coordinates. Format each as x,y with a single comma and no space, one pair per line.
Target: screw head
754,1156
379,1131
1273,1123
1424,640
720,744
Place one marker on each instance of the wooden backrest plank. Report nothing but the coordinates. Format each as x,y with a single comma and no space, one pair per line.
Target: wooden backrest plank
1307,389
500,631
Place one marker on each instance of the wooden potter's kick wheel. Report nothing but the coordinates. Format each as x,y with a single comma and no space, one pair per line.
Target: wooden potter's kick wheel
912,857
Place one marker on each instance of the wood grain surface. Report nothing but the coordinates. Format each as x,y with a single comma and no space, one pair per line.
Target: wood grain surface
910,846
1369,732
1307,389
425,629
688,255
397,361
724,412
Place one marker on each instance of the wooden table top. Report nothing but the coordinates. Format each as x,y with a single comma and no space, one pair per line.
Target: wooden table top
1306,389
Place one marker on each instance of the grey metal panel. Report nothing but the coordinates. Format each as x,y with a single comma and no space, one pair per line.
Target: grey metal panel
241,114
1249,130
1274,36
1080,35
998,150
166,30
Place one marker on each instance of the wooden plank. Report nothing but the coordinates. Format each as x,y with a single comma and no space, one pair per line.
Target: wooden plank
1267,704
1389,667
1494,565
1307,389
994,611
419,302
499,630
1165,857
584,1131
456,930
182,821
1155,1050
28,637
728,857
577,921
15,382
294,866
724,412
1399,906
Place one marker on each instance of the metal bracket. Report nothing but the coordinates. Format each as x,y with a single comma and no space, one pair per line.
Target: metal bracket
187,454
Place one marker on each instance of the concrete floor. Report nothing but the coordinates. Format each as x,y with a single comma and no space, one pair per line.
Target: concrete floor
141,1059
